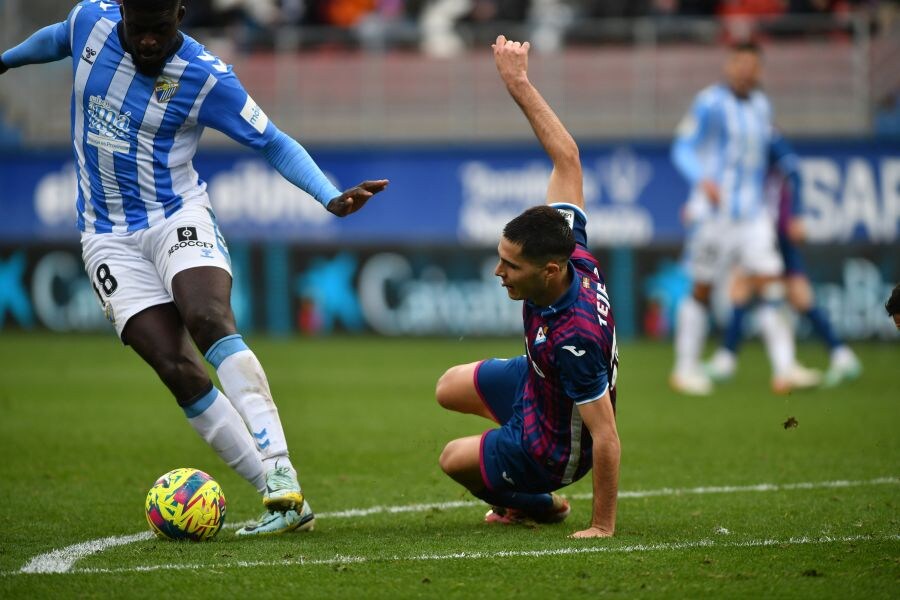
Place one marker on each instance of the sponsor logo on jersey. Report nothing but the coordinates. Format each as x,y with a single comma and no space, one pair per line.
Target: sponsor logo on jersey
254,115
165,89
569,215
89,54
186,234
112,127
574,350
187,238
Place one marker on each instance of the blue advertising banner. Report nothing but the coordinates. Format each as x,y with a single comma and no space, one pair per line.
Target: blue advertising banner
465,195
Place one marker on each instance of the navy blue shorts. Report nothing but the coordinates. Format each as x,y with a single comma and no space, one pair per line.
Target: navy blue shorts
505,464
790,254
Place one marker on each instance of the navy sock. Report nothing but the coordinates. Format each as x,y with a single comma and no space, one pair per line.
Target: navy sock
822,327
734,334
531,504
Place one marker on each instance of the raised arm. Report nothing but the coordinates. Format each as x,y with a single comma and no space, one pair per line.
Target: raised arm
45,45
566,183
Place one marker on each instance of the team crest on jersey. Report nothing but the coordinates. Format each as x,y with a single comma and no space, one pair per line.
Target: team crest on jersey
541,336
165,89
585,282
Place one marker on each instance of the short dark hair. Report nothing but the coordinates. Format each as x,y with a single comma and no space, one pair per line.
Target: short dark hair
543,233
747,46
153,4
892,306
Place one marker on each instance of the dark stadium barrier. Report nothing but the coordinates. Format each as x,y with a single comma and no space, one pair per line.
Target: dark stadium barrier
418,260
427,291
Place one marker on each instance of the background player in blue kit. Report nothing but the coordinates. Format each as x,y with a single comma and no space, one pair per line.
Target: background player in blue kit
142,94
722,149
556,403
843,364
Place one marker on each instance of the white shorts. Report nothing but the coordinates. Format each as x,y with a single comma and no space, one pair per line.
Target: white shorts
715,246
133,271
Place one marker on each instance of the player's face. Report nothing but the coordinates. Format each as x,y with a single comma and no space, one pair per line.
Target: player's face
743,71
897,320
150,33
521,278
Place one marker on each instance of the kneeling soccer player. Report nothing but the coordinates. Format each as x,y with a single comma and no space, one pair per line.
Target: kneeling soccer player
556,403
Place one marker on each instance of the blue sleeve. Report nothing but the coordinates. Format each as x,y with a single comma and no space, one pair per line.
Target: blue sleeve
230,109
691,133
582,369
45,45
295,164
783,157
576,218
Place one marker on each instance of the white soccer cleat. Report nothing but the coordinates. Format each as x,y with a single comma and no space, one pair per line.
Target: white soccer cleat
844,367
691,384
273,522
282,490
798,378
722,366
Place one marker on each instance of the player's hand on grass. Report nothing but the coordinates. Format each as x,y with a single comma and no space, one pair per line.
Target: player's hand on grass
511,59
356,197
592,532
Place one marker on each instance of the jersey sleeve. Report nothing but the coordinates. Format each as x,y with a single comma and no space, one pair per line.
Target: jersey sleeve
577,220
230,109
582,369
45,45
690,135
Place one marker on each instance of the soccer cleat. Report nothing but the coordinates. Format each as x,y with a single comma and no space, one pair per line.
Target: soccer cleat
691,384
844,367
798,378
273,522
282,490
513,516
721,366
505,516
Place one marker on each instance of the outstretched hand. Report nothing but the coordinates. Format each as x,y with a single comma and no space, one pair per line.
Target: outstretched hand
511,59
355,198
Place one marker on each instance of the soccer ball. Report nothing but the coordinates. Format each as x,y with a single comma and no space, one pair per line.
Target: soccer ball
185,504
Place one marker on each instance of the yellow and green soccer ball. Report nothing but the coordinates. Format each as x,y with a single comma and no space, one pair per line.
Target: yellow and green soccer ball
186,504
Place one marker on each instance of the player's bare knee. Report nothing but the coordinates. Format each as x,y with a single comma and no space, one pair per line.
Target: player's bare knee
447,458
446,390
208,324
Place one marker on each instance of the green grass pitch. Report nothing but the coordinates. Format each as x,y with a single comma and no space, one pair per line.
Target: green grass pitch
85,429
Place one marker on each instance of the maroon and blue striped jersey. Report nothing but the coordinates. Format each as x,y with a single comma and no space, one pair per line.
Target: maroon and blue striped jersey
571,347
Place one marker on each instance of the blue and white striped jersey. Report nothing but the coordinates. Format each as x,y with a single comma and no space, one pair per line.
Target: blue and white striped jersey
726,139
134,136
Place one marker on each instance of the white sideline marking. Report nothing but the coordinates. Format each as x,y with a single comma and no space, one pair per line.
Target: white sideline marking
62,560
730,489
343,560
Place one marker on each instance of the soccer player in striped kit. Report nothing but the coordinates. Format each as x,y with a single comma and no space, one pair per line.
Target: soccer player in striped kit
142,94
556,403
722,148
786,191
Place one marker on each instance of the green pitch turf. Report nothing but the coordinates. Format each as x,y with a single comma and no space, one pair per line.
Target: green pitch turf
85,429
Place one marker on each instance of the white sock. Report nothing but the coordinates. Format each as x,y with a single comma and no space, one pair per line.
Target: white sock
778,338
219,424
243,379
690,333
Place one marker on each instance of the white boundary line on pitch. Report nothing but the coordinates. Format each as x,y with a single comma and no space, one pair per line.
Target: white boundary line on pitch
503,554
62,560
